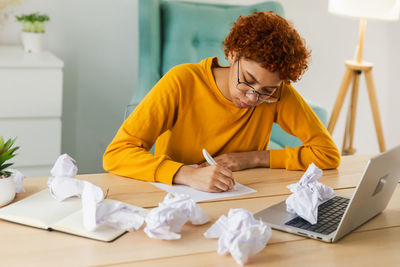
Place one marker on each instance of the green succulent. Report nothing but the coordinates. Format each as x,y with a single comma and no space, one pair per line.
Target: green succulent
33,22
6,153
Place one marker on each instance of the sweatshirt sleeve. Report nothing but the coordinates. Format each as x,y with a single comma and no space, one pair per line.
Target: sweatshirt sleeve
297,118
127,154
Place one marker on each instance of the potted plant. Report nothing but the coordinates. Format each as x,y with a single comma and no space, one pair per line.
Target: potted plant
7,186
33,31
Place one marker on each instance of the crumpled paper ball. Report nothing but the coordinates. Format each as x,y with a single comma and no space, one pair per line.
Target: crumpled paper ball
239,234
167,220
308,194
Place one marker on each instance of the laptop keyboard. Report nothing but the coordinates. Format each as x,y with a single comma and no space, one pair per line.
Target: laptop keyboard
329,215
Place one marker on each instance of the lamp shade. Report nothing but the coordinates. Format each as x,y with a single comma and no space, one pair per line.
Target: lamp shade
369,9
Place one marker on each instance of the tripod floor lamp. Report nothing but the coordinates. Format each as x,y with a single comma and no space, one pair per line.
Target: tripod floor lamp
363,9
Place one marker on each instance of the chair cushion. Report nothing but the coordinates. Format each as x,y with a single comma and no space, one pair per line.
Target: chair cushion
194,31
273,145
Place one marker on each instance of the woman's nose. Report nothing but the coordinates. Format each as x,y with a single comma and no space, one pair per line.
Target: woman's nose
253,97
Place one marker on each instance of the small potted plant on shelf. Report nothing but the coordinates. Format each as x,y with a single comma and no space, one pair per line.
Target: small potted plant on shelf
7,186
33,29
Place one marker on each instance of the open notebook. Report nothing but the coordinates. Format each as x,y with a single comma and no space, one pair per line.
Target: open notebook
41,210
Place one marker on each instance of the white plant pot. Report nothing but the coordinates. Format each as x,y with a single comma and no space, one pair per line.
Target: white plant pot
7,190
32,42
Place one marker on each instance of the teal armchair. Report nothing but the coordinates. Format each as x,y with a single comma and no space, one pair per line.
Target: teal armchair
172,33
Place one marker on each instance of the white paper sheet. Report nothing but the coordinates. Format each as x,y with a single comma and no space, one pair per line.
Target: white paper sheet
198,195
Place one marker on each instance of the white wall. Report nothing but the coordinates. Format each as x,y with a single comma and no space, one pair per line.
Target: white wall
97,40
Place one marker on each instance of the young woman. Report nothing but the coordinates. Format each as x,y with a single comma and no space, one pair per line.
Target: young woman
227,110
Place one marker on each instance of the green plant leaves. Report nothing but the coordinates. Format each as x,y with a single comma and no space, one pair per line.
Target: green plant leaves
34,17
5,166
7,145
6,153
33,22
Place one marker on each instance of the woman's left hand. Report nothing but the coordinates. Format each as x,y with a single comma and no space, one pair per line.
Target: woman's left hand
237,161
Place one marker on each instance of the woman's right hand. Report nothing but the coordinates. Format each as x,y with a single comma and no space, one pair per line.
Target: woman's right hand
212,178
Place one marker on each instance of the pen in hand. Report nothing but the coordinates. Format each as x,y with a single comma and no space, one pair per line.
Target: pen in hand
208,157
210,160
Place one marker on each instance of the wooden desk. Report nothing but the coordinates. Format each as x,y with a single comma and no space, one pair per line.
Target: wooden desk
376,242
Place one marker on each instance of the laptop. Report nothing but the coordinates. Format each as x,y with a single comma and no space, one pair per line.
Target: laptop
340,215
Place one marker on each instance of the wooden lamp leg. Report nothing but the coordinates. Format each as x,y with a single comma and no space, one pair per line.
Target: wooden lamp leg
375,111
348,75
348,148
346,134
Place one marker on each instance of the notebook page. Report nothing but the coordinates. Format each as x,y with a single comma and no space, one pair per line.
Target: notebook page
73,224
40,210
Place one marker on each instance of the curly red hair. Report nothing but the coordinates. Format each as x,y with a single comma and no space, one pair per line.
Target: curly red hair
269,39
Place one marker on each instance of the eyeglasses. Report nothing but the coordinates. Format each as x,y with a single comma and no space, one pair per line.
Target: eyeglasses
249,90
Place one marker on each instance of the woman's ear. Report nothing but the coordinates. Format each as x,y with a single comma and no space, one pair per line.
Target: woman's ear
232,57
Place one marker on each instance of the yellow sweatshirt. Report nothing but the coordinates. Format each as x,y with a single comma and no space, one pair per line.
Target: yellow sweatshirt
185,112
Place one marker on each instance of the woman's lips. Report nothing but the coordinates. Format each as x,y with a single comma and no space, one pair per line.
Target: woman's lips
243,105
